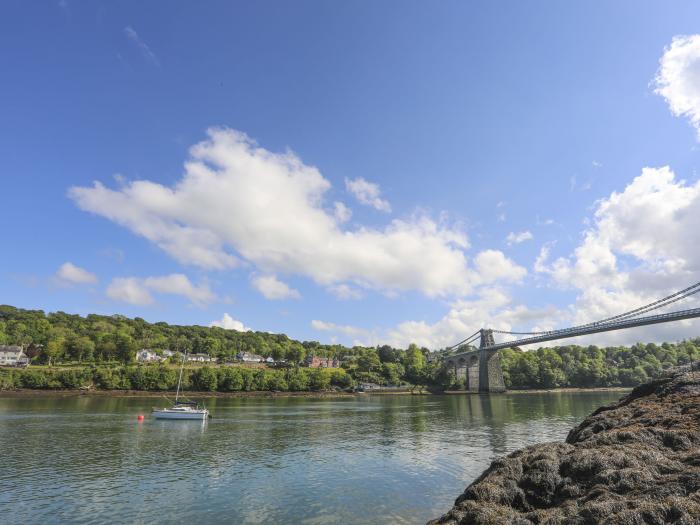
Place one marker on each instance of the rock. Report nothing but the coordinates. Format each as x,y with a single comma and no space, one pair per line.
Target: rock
631,463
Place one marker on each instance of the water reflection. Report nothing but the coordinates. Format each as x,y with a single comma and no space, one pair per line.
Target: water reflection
369,459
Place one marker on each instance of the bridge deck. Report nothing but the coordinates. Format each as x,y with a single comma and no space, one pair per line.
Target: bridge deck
593,329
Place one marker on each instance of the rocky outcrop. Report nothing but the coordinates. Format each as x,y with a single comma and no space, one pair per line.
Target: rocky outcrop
634,462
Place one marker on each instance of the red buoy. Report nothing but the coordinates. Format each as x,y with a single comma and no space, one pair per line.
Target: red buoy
140,417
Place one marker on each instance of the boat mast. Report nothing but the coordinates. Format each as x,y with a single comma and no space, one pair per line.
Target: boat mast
179,380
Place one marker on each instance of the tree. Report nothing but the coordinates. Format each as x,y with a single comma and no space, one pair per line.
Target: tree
296,352
125,347
54,350
81,348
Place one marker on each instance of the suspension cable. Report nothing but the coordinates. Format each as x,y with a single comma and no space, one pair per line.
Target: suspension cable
677,296
468,340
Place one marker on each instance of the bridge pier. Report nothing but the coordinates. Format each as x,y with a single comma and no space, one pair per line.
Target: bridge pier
473,375
480,370
490,371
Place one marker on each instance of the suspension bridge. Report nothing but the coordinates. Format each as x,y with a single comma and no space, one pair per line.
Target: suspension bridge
480,368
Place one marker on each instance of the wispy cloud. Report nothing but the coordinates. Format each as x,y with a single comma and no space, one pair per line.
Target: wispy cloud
135,39
367,193
517,238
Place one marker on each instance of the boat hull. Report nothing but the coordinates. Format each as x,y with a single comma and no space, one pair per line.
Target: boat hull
170,414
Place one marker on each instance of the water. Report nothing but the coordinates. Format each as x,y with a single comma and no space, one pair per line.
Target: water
357,460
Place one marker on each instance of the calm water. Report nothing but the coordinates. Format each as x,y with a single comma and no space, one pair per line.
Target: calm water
368,459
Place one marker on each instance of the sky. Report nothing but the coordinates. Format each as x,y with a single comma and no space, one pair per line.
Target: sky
358,172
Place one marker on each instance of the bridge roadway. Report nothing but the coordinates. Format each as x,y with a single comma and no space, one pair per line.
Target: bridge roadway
603,327
481,368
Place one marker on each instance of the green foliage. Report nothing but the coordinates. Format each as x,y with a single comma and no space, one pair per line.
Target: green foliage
591,366
230,379
205,379
105,341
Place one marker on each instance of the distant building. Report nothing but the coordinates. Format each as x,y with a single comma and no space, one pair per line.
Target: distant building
147,356
248,357
168,353
200,358
313,361
13,356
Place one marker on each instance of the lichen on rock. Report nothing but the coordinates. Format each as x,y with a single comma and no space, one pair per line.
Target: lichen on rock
634,462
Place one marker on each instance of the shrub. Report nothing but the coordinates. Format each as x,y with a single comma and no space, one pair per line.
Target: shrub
297,381
230,379
205,379
319,379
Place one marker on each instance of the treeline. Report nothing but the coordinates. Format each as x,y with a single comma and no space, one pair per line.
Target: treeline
162,378
59,337
105,341
591,366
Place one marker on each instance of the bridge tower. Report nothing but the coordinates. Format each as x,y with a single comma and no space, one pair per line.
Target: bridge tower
490,372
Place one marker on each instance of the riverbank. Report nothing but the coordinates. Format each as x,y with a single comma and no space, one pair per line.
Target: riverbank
551,390
635,461
28,392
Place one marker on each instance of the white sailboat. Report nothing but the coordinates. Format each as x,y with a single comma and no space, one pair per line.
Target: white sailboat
181,409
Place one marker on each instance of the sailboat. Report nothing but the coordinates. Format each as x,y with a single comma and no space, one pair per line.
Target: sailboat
181,409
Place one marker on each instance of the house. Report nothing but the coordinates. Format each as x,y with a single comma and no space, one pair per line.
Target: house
200,358
168,353
313,361
147,356
13,356
248,357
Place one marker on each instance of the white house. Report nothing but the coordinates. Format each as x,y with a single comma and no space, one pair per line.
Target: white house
168,353
248,357
12,356
200,358
147,356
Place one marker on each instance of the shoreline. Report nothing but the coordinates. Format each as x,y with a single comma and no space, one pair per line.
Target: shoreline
28,392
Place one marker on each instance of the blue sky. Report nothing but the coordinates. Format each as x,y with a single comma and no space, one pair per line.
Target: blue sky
441,128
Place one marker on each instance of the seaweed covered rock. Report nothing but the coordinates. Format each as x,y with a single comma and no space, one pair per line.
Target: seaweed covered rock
634,462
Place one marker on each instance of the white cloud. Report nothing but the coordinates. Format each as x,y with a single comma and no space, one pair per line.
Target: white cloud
540,265
272,288
137,291
229,323
641,246
68,274
267,208
517,238
493,308
367,193
351,331
493,266
129,290
345,292
501,217
135,39
678,78
342,212
179,284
